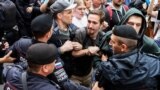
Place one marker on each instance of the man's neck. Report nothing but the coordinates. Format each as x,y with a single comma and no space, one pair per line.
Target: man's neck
38,73
43,40
94,36
61,25
96,7
116,6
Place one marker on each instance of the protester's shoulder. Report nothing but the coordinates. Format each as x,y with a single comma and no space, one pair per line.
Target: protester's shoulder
80,35
81,31
149,43
73,27
148,40
107,34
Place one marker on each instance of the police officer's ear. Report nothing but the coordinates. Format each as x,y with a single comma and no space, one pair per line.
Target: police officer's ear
49,34
124,47
45,68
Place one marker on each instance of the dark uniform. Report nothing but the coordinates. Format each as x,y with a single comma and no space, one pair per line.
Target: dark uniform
131,71
37,82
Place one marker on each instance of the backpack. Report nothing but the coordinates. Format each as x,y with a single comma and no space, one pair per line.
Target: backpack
9,86
109,9
11,68
7,14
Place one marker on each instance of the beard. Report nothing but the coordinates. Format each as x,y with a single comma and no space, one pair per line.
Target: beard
117,4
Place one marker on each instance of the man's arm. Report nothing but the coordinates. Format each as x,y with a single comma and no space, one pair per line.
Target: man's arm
91,50
7,58
69,85
80,53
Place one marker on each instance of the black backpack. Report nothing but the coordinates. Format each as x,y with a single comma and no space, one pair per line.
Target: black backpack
7,14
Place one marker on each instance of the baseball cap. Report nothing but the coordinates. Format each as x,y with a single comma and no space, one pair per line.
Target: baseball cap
61,5
41,24
125,31
42,53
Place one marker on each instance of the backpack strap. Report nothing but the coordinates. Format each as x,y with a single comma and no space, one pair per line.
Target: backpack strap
24,80
126,7
109,9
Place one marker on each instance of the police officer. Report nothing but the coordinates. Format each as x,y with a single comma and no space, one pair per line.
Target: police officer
128,68
41,29
42,61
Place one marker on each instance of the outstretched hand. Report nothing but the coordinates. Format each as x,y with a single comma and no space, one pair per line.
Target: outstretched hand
7,58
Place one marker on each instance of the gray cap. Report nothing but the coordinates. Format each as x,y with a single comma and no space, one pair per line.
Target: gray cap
61,5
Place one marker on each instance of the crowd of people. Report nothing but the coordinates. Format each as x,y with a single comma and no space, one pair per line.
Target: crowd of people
81,45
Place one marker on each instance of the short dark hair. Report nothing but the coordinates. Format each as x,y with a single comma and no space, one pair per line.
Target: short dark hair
41,25
33,67
100,13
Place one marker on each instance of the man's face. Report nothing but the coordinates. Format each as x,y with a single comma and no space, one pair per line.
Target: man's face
117,2
97,3
135,22
116,46
87,3
66,17
93,25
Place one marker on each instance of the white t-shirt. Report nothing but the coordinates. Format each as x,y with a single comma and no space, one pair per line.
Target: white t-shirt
80,23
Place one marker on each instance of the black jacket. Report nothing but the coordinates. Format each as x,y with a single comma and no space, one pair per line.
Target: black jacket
131,71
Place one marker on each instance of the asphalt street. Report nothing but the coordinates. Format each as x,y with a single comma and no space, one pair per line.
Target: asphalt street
1,87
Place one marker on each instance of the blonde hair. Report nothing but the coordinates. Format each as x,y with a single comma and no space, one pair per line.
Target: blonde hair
79,2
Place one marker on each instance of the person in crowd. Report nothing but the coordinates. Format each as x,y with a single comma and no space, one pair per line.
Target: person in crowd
136,19
153,12
79,15
128,68
42,61
89,38
114,13
98,4
27,11
88,4
41,29
64,31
